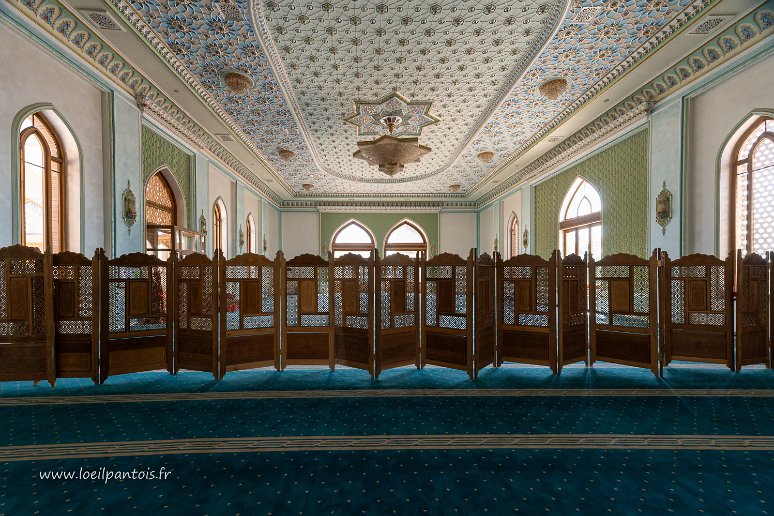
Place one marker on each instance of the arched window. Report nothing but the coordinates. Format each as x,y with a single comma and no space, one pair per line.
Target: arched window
160,216
352,238
580,220
160,206
405,238
513,236
754,188
220,227
250,233
42,185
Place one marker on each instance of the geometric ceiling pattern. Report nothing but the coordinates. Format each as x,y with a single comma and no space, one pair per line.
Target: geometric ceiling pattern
480,62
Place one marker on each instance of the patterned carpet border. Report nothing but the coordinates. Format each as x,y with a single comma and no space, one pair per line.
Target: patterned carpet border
386,442
386,393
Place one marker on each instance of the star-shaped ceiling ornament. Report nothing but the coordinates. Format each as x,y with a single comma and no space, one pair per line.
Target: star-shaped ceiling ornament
393,113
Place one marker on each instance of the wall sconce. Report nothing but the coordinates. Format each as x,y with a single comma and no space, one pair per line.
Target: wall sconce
265,245
525,239
129,207
663,208
241,238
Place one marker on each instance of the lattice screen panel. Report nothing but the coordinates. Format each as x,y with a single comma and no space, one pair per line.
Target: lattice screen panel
249,296
622,295
351,299
22,294
137,296
74,298
307,296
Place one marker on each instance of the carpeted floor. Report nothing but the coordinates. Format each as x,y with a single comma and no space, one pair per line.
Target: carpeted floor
309,441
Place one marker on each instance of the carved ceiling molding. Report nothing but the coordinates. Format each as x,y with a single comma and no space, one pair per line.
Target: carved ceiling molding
675,26
259,16
70,29
743,34
132,17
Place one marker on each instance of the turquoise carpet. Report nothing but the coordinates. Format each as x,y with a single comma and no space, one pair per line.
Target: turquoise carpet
607,439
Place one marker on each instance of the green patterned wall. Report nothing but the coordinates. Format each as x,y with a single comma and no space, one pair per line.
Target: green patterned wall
620,174
380,224
157,151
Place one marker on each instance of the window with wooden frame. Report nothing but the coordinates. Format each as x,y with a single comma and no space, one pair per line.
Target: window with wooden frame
352,238
580,220
753,187
250,233
42,186
407,239
513,236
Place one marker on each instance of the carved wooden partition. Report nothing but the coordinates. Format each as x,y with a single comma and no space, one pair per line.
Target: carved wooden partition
307,334
572,327
486,312
698,320
76,314
447,329
249,298
527,313
136,312
26,321
752,311
397,312
353,310
196,318
624,318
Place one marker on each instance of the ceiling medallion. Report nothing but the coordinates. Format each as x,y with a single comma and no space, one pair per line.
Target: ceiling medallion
395,113
286,154
551,89
237,82
308,187
486,156
391,154
454,188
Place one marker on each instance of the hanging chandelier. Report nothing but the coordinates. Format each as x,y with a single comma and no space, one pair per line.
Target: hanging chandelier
391,154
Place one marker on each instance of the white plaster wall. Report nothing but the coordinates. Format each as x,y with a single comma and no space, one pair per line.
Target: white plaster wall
487,230
252,205
712,116
456,232
223,186
79,104
271,229
300,232
665,157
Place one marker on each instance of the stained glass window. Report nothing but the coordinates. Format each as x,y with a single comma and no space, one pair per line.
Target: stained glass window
159,202
754,189
42,169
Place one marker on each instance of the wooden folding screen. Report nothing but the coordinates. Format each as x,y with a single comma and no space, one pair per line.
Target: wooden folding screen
485,313
527,313
76,314
307,334
26,320
698,320
624,318
447,327
248,298
572,328
397,312
196,318
353,310
136,312
752,311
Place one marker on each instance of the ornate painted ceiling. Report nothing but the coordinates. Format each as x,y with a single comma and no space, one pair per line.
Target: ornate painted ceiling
479,62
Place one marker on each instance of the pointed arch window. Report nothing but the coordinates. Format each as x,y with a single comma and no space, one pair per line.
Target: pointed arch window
580,220
513,236
250,233
220,227
42,185
352,238
407,239
160,216
754,189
